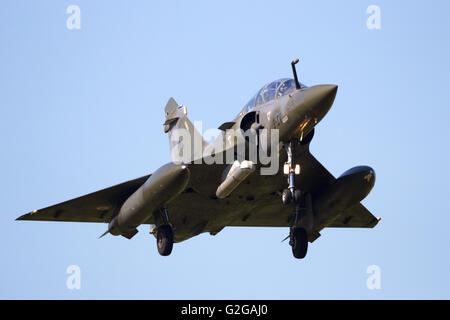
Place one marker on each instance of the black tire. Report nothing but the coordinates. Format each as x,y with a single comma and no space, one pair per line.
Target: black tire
286,196
164,240
299,239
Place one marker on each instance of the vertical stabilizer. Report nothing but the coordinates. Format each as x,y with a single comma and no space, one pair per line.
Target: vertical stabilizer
186,143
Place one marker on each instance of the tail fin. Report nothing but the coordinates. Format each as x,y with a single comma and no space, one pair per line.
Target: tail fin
186,143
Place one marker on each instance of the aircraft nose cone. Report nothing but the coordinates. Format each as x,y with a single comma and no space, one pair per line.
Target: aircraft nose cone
320,99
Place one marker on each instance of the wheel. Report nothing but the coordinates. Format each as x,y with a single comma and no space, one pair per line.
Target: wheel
286,196
297,196
299,242
164,240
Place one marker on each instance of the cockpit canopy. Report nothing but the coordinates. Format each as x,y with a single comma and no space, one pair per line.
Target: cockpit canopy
272,91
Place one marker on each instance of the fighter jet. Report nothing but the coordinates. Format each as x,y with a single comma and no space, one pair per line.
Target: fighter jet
193,194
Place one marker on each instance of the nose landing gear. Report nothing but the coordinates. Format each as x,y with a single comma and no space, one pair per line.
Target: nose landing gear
299,242
298,236
290,169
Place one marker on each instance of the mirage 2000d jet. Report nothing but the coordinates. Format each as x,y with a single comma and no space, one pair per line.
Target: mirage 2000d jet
194,194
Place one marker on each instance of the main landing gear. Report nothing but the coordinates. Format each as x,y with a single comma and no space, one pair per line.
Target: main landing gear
164,240
164,233
298,237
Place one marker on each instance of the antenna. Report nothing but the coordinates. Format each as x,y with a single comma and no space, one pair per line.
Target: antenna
297,84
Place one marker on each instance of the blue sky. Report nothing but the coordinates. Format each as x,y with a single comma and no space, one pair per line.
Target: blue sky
83,109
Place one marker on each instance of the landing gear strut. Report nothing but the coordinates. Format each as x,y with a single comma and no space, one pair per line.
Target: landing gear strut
298,236
164,234
290,169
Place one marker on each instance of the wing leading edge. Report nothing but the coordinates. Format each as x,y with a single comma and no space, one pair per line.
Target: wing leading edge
99,206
